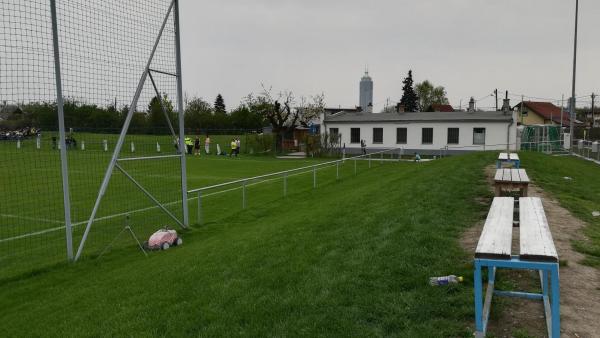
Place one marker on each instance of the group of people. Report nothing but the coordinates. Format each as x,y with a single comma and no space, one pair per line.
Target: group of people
192,147
19,134
235,147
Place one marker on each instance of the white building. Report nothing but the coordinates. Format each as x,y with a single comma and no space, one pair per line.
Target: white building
425,132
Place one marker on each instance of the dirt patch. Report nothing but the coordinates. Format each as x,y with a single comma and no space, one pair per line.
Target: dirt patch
579,284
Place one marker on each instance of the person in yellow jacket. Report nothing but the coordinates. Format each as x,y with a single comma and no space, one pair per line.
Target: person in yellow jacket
233,148
189,144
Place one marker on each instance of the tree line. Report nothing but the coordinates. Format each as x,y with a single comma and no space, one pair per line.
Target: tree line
418,97
282,111
198,114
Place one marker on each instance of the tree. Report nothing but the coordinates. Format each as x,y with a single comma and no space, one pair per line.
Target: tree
220,105
280,110
156,115
310,110
429,95
409,99
245,118
221,119
198,115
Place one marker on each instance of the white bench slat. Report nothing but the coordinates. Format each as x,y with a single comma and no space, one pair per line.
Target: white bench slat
499,175
515,178
535,236
496,237
514,156
503,156
506,175
524,176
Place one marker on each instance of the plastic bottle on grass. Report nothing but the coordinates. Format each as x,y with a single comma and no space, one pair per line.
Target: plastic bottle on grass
445,280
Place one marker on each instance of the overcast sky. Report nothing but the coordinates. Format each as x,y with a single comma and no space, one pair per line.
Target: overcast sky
312,46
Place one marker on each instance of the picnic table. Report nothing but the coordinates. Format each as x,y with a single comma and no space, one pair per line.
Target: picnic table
510,158
510,179
536,252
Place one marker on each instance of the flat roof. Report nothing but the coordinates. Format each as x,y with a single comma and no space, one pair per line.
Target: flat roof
458,116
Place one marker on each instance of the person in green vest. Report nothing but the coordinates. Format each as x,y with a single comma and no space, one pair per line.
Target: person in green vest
233,148
189,144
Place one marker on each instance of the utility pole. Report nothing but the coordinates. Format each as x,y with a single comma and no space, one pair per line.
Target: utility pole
572,122
593,119
496,94
562,99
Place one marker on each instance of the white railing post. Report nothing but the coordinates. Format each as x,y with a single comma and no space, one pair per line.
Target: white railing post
199,215
244,195
284,184
381,161
314,177
369,160
337,170
355,167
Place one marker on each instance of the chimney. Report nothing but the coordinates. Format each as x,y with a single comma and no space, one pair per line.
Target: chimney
506,104
399,108
370,108
471,105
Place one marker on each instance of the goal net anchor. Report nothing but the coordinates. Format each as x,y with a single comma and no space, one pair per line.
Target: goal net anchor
127,228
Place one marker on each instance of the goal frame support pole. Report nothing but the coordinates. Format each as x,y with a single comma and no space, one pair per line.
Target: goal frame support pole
64,167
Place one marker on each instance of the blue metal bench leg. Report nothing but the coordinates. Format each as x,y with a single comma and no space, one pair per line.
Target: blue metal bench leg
498,164
478,298
555,284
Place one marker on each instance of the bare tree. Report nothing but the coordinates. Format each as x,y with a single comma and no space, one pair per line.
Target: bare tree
283,111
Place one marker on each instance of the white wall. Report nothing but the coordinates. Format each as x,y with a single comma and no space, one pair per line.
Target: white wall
495,138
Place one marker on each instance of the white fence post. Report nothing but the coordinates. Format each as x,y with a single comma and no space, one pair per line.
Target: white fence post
244,195
199,207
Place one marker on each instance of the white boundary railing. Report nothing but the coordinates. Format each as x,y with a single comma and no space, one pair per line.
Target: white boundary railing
395,154
589,150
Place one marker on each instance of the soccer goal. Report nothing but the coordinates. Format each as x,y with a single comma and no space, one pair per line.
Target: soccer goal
91,126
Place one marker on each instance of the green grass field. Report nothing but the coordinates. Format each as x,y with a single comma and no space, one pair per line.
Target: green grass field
351,257
31,212
580,194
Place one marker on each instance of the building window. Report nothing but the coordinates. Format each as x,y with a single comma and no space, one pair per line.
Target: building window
427,136
452,135
354,135
479,136
377,135
334,131
401,135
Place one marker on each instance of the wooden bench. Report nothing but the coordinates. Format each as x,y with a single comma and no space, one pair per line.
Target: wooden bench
536,252
510,179
510,158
